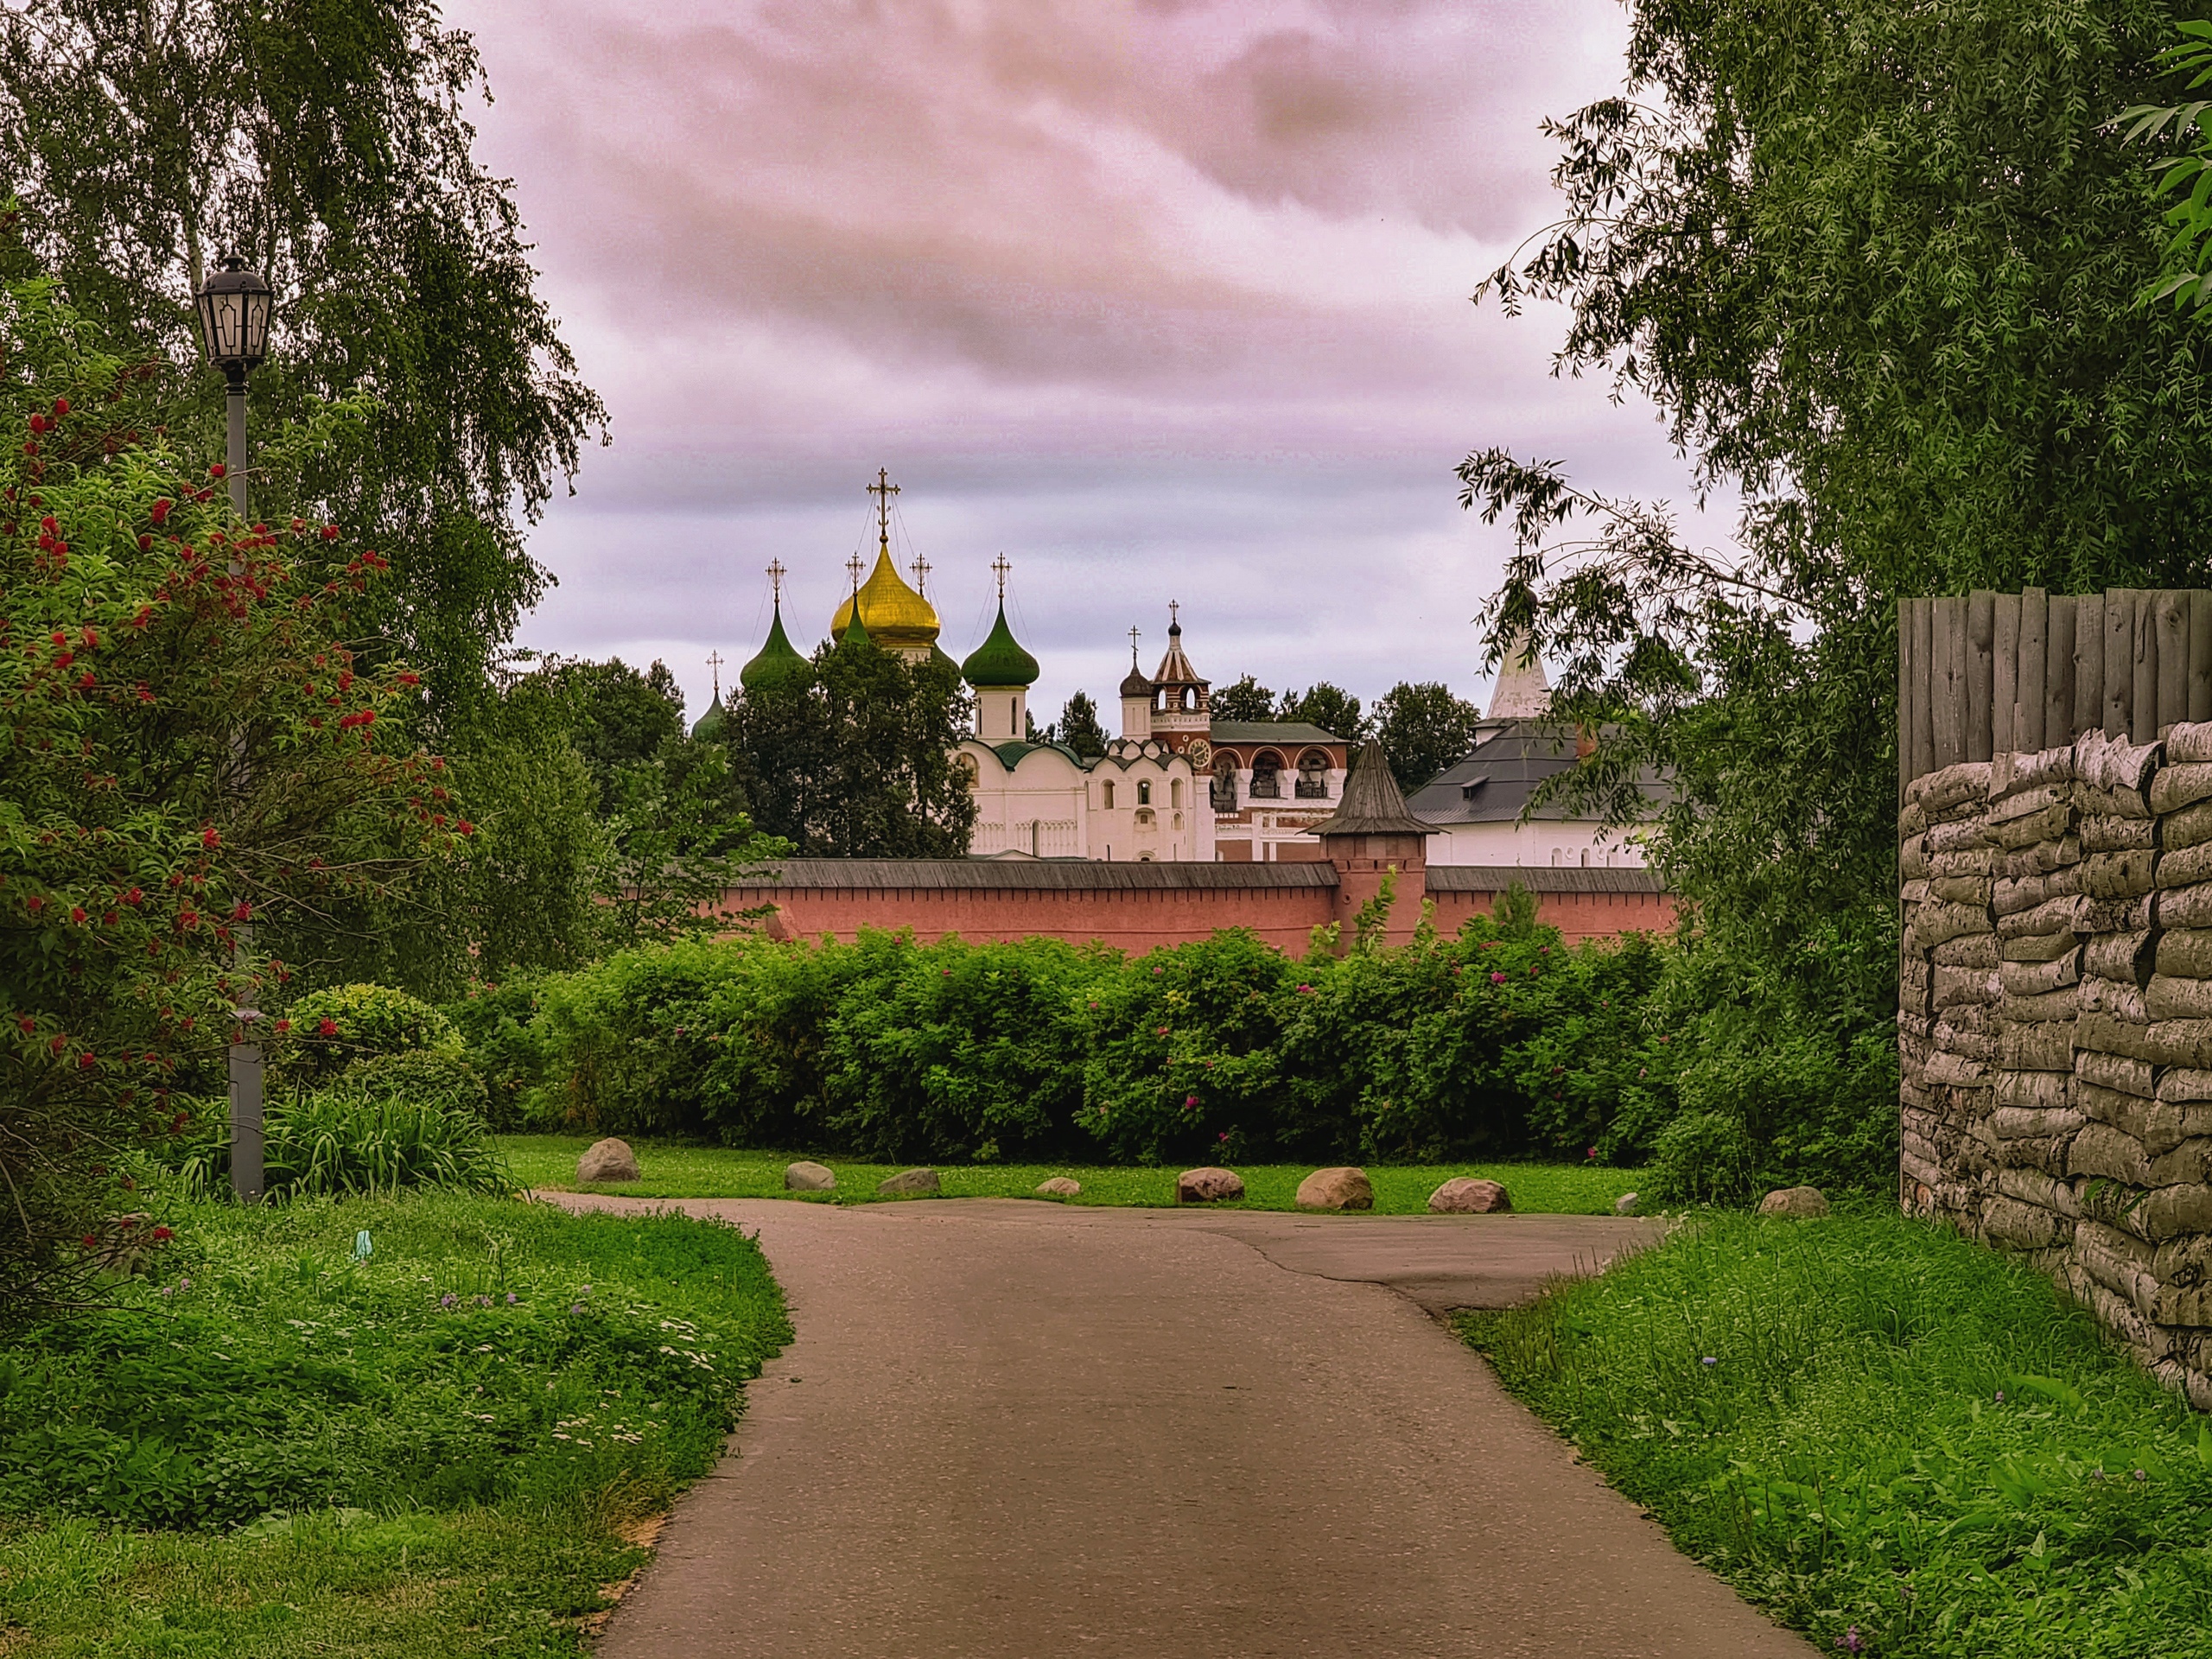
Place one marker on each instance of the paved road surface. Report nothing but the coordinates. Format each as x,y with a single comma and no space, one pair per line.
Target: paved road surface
1008,1430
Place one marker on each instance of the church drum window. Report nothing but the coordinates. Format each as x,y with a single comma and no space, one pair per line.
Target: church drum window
1266,777
1312,776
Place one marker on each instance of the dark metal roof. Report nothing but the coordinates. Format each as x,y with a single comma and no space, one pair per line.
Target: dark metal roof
1539,878
1085,875
1492,783
1372,804
1287,732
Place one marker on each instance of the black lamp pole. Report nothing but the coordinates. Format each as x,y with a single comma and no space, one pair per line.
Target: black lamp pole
234,306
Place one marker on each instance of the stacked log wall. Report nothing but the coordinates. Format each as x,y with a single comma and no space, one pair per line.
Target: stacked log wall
2055,1023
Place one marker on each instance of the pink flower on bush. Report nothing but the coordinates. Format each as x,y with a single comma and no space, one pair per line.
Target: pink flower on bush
1497,979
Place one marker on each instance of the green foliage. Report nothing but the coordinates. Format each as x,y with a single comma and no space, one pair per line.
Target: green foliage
330,146
1246,699
379,1130
2187,176
504,1047
1515,911
1332,707
1495,1042
483,1353
618,718
1871,1423
854,758
1078,727
325,1031
193,746
1423,729
1701,1158
430,1077
1878,265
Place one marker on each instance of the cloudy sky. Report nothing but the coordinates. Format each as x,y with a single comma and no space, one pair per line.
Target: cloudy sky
1161,299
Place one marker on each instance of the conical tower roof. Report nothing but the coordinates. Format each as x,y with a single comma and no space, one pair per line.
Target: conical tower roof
1000,660
1373,805
854,634
1175,668
775,661
1523,691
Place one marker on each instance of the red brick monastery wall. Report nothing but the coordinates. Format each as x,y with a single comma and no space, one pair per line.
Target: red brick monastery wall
1137,906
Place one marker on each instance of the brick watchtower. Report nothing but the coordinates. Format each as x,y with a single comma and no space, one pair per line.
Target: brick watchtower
1372,836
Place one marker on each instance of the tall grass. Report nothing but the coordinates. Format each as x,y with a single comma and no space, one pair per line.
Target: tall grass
1869,1426
336,1143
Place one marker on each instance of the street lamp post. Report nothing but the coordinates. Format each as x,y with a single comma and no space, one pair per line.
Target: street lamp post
234,306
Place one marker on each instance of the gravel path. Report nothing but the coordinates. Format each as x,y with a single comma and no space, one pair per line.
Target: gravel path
1016,1429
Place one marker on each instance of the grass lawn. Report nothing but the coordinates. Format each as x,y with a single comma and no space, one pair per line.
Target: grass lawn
272,1448
672,1170
1868,1423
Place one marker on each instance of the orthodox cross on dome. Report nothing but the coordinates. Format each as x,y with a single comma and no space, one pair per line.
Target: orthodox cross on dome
776,579
1134,637
883,489
1175,616
921,568
853,566
1001,567
715,662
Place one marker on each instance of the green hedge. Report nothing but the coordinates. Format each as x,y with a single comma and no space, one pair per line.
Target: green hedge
1501,1041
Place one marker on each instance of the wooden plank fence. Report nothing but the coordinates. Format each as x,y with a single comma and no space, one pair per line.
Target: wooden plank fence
1981,673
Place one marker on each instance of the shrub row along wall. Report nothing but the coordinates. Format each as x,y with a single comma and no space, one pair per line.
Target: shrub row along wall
2055,1024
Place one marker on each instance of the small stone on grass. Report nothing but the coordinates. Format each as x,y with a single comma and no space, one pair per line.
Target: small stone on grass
1208,1185
1804,1201
1058,1188
1465,1195
1625,1205
1341,1188
908,1183
809,1178
607,1161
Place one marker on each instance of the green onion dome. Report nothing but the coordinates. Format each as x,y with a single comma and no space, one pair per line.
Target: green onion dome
776,662
1000,660
712,724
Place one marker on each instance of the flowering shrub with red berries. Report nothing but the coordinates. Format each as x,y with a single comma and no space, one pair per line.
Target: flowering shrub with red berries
189,747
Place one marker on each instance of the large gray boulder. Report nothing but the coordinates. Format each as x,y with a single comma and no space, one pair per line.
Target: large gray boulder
1208,1185
1058,1188
607,1161
804,1177
1341,1188
908,1183
1803,1201
1467,1195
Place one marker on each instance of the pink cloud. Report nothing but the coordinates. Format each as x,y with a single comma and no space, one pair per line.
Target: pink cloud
1162,299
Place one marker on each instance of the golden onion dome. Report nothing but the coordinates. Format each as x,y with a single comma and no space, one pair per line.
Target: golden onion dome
894,614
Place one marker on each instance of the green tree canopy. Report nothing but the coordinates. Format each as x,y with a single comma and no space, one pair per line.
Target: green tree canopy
1423,729
196,752
1879,266
1246,700
1332,707
854,759
1078,727
328,145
